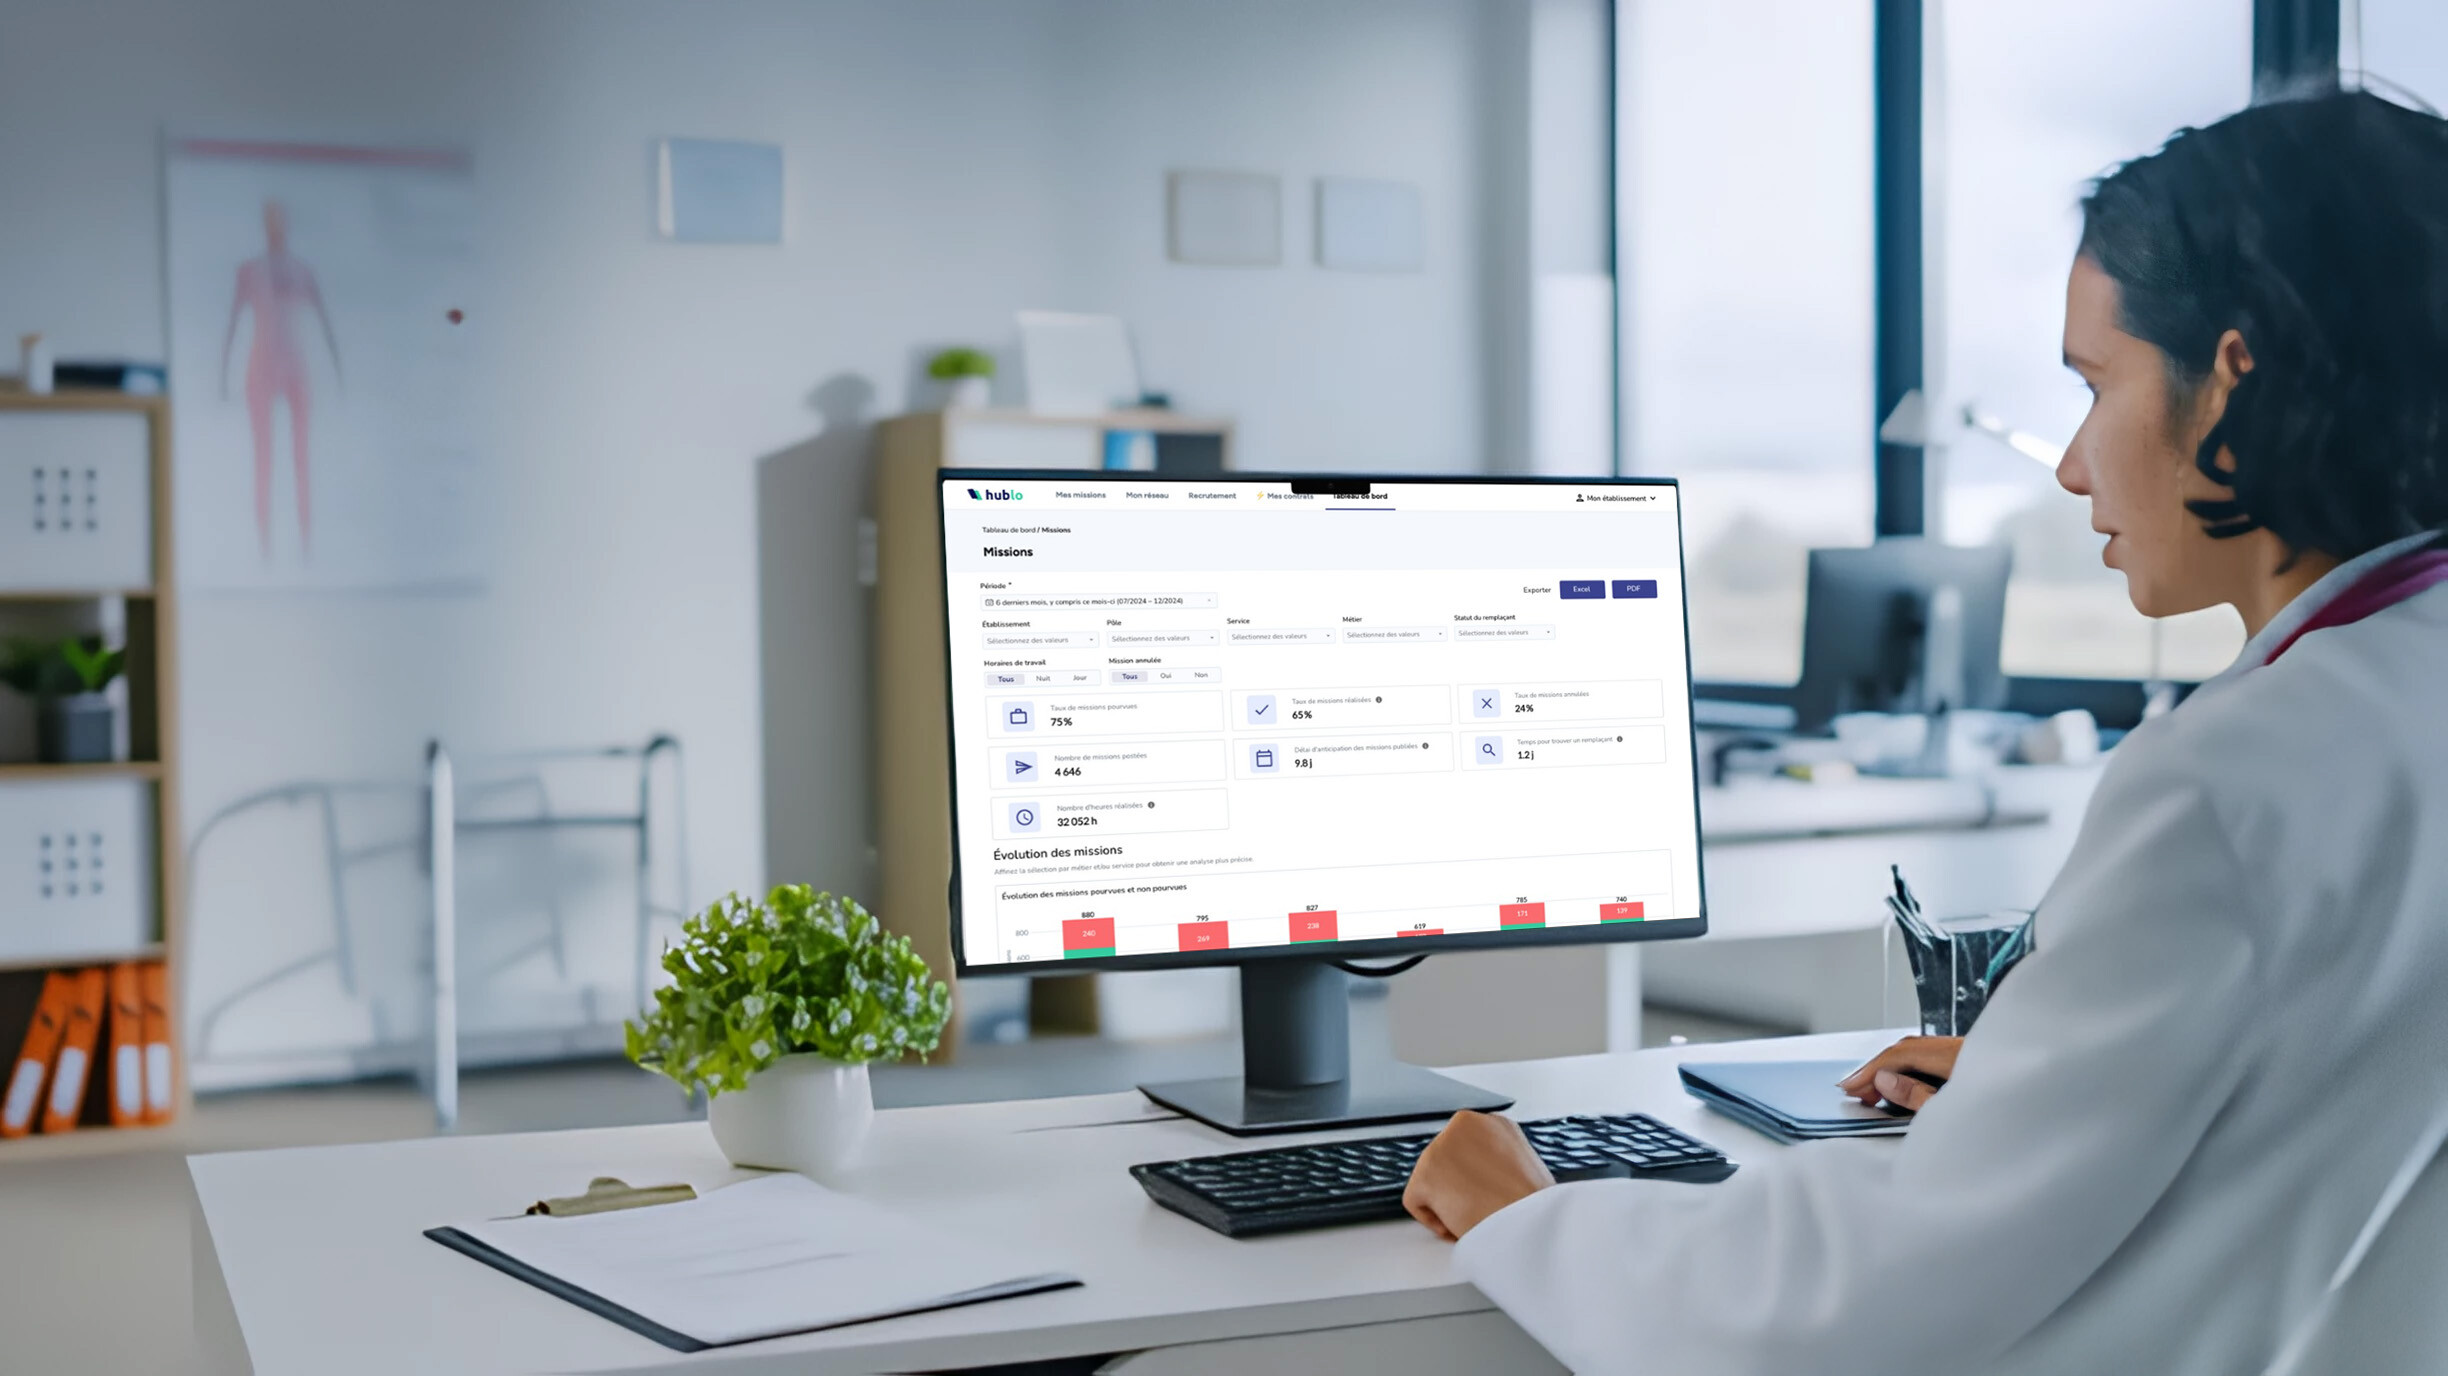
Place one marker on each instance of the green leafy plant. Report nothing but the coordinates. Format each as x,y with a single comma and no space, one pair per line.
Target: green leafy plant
93,665
46,669
800,972
25,666
952,364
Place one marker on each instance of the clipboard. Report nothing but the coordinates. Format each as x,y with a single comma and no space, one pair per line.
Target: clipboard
766,1258
560,1289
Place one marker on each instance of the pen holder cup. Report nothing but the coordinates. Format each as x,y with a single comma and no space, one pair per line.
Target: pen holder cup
1958,962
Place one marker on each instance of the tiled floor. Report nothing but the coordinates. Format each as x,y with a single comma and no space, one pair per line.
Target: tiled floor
124,1217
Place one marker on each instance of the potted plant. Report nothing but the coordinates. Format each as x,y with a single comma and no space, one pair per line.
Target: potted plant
967,371
775,1010
69,680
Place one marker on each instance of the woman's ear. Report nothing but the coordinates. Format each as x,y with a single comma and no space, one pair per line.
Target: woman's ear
2230,360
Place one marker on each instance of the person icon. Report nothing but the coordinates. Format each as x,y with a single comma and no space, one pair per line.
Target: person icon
273,286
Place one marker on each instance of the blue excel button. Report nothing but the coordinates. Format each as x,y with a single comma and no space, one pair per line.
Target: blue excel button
1636,587
1581,588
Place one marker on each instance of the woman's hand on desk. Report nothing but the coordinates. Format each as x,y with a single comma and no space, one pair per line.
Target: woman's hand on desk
1477,1165
1903,1073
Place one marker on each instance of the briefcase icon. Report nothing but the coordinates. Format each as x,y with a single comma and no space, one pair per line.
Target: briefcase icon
1019,716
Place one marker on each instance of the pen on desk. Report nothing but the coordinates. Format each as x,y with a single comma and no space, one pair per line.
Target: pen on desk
606,1194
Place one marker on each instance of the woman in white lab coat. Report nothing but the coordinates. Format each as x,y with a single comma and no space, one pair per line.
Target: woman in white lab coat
2163,1135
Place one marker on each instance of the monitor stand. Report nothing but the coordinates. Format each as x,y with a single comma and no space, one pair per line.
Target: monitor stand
1297,1073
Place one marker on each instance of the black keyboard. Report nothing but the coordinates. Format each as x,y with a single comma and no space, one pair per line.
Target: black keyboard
1246,1193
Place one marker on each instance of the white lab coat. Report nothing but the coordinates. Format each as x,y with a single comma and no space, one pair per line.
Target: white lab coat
2172,1119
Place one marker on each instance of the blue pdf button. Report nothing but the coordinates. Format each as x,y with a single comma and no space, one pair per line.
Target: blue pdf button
1636,587
1581,587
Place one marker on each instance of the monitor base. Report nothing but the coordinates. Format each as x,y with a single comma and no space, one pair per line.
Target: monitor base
1390,1092
1297,1073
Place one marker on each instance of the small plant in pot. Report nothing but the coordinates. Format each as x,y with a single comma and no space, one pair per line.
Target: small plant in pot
69,680
775,1009
967,371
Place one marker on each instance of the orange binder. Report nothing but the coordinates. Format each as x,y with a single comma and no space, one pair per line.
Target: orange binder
74,1063
127,1080
161,1090
42,1041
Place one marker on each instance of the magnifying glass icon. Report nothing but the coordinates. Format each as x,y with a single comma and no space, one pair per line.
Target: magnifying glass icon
1488,748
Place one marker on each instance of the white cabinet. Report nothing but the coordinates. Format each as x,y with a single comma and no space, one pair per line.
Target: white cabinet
76,501
913,795
76,869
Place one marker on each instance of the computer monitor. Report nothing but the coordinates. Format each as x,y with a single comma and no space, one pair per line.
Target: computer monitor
1905,625
1283,722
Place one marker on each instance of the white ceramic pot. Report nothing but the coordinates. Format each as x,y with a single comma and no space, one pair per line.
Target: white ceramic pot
970,393
803,1113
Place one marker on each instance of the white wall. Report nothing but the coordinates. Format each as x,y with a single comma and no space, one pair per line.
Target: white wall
1323,370
950,161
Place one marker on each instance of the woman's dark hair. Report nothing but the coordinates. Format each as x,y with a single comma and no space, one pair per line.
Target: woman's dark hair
2318,229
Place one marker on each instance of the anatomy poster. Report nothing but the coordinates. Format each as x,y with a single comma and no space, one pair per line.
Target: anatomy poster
321,358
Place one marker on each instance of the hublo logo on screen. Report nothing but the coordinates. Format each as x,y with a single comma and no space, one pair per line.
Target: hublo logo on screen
991,494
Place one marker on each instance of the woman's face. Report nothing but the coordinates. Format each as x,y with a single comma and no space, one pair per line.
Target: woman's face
2133,456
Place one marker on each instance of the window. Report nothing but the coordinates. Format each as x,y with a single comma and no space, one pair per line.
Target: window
1743,220
2033,102
1744,184
2403,46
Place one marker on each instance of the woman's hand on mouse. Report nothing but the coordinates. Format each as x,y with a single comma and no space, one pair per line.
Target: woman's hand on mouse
1889,1075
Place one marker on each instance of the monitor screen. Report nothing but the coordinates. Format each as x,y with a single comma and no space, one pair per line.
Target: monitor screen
1193,719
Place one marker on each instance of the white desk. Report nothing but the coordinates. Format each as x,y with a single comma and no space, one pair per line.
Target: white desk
310,1260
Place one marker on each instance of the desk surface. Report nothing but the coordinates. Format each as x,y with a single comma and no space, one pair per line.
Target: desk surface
320,1253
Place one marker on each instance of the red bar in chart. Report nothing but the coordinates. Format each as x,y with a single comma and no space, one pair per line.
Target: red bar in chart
1522,915
1422,931
1620,912
1314,926
1204,936
1088,936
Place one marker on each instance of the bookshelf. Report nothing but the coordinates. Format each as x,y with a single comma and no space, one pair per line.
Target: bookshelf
913,793
146,609
74,960
116,769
